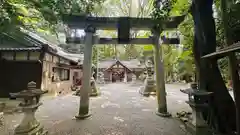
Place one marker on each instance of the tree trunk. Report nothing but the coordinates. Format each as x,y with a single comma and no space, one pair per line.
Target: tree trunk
210,78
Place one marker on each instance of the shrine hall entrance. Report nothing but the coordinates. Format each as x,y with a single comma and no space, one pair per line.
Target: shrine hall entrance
118,72
117,76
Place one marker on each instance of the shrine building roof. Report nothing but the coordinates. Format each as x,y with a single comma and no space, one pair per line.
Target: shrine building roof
29,41
131,64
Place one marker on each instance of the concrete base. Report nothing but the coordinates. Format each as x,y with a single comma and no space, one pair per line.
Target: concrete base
95,94
81,117
186,119
149,87
36,131
197,130
143,91
166,114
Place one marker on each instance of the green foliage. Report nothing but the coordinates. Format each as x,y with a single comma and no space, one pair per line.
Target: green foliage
162,10
227,12
186,58
170,56
179,7
234,22
176,61
43,15
136,8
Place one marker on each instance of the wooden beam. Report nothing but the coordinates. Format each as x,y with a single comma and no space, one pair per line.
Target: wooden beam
131,41
224,52
111,23
141,41
77,40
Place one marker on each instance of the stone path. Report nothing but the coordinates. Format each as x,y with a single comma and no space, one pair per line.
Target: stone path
120,110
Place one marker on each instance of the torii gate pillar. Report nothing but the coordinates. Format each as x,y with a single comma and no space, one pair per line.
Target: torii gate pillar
87,67
160,82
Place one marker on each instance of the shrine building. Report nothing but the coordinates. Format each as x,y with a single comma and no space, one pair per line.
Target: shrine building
26,57
120,70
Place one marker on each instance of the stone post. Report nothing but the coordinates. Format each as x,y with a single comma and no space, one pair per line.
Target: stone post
160,82
87,66
29,124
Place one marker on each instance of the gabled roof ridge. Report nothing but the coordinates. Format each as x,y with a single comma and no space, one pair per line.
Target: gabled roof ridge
16,38
35,36
116,63
38,42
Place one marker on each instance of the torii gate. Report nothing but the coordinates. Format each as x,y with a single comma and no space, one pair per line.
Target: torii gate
123,25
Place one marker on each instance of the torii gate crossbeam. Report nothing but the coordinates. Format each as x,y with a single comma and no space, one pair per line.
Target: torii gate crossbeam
140,41
111,23
91,24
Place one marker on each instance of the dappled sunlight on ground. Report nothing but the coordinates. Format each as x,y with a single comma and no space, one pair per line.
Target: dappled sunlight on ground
109,104
119,110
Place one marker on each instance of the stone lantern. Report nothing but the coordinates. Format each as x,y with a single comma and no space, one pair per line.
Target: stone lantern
199,101
29,124
149,83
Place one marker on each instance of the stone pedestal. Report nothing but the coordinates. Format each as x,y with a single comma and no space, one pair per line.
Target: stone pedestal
100,78
197,118
94,89
149,87
134,78
29,124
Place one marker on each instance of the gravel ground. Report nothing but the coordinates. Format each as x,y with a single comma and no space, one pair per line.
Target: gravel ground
119,110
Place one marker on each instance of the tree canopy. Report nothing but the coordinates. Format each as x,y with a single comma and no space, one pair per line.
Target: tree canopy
41,15
45,16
